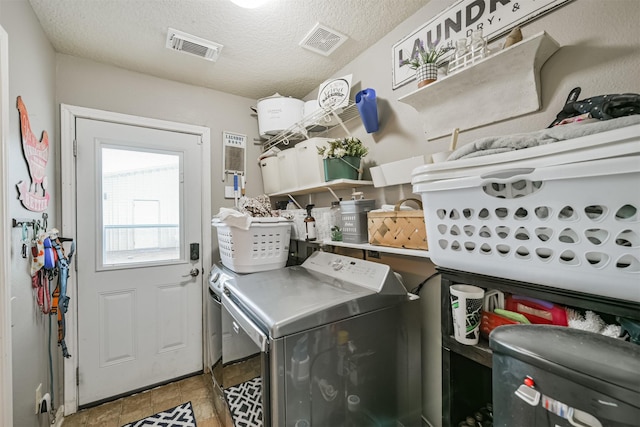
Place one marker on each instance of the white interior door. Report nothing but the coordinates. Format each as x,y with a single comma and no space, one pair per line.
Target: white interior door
138,217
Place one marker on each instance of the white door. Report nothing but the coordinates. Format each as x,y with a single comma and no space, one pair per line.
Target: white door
138,224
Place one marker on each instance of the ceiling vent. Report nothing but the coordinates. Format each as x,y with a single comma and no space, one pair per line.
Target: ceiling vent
323,40
183,42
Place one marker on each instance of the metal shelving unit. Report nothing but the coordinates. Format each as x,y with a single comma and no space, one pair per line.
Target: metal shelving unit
320,121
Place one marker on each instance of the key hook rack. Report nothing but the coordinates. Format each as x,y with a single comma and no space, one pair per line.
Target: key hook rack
34,223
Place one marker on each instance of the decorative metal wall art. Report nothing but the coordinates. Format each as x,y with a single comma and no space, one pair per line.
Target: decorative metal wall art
34,196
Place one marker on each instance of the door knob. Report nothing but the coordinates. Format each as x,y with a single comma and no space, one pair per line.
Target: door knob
193,273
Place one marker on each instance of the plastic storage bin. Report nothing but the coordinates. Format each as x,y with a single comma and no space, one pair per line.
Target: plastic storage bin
288,169
569,225
264,246
575,378
354,220
270,175
309,163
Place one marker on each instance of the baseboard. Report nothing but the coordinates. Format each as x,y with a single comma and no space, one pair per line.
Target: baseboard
57,422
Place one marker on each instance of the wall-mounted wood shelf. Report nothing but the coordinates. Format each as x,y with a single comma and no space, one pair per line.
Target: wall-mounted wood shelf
501,86
336,184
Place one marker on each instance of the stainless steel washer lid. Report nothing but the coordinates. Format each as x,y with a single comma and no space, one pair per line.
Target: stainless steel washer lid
321,291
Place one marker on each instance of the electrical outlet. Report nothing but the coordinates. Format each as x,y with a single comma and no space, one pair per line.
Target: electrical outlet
228,192
38,397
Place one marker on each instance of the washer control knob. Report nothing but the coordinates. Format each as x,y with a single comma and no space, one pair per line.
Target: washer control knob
337,264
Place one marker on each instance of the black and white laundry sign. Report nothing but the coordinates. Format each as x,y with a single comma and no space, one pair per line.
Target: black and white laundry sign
494,17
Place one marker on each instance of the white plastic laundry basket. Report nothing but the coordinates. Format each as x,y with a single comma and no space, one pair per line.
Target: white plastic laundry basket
264,246
574,226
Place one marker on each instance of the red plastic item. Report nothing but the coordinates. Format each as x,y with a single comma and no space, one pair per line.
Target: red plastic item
537,311
529,382
490,320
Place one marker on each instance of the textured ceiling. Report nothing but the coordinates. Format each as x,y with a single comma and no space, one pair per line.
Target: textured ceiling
261,54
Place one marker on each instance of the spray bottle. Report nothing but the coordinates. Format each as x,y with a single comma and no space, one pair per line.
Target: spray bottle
310,225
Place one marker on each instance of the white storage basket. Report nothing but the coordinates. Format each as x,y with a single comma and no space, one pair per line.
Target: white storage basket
310,167
264,246
573,226
270,175
287,169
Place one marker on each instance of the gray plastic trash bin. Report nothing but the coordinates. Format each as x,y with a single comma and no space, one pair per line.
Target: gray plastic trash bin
561,377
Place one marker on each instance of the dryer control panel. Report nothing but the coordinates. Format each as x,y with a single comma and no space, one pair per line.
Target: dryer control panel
377,277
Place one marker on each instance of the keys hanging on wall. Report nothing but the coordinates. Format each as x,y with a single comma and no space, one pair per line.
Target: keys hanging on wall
25,224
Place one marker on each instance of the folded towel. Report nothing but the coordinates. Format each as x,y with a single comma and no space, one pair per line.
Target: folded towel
501,144
232,218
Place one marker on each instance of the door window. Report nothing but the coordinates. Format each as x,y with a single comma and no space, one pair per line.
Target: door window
141,206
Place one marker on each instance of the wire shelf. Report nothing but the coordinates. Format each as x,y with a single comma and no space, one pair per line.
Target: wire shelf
321,120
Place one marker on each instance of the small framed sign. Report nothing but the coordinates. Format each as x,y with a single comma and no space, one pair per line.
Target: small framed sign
334,93
234,154
494,17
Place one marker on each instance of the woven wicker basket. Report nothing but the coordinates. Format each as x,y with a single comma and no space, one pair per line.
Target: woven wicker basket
398,229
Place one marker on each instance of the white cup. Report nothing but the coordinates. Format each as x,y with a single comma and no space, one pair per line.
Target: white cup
466,310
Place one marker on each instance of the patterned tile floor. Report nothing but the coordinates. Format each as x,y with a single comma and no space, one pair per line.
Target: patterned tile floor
197,389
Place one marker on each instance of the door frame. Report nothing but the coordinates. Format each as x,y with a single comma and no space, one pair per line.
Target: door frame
6,367
68,116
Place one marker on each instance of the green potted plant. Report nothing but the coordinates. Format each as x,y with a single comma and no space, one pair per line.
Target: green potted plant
342,158
425,62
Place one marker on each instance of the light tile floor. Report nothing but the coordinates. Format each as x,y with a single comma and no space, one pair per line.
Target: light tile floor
197,389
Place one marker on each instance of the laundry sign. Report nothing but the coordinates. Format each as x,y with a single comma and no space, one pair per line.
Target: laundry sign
494,17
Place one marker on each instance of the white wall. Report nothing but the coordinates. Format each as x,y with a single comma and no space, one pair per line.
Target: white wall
599,52
31,76
90,84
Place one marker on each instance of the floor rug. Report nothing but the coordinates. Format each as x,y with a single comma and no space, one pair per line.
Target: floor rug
180,416
245,403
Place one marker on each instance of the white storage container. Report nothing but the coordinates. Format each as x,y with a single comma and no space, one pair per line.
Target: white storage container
264,246
288,169
310,166
573,225
270,175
